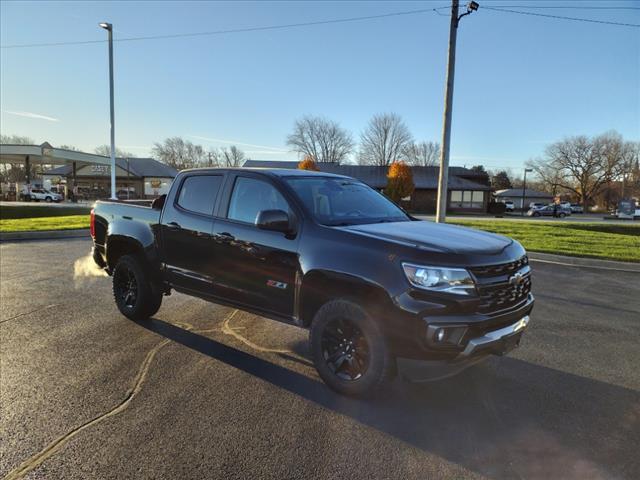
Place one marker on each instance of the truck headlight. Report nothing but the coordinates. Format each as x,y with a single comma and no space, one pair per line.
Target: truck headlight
440,279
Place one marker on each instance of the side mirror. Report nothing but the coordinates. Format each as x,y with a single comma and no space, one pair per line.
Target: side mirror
274,220
158,203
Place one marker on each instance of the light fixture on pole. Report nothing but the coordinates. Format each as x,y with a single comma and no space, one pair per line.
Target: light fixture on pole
109,28
443,178
524,186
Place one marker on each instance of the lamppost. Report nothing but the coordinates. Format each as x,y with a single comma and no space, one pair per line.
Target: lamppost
109,28
524,186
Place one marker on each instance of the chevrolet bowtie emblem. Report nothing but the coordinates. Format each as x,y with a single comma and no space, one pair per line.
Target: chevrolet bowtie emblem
516,280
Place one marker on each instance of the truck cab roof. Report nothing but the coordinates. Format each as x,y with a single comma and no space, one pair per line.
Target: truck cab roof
274,172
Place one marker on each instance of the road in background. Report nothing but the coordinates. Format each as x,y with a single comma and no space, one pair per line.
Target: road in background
590,218
203,392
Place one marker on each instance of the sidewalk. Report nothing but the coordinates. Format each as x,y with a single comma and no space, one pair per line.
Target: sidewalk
44,235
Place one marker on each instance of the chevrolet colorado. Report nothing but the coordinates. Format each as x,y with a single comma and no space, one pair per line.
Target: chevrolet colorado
325,252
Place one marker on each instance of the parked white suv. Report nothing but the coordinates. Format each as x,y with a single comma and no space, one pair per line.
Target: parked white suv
38,194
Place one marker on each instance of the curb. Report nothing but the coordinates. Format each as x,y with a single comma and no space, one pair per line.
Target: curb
44,235
584,262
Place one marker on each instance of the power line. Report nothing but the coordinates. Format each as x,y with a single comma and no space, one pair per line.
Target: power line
563,7
501,8
560,17
234,30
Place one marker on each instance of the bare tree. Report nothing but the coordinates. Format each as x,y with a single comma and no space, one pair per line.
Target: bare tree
105,150
384,140
422,154
179,153
73,148
321,139
581,164
16,140
12,172
232,156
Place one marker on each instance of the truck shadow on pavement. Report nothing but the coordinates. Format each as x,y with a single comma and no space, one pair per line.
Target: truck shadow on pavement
504,418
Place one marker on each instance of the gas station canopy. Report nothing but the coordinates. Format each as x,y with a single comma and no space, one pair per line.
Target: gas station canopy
45,154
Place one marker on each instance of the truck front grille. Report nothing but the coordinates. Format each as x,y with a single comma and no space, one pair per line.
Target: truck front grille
501,269
499,288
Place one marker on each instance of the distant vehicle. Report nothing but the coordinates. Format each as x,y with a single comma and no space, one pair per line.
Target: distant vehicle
258,240
122,195
38,194
576,208
509,206
536,205
547,211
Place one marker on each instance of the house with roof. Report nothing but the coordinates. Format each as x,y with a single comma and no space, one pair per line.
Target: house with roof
466,193
516,196
135,178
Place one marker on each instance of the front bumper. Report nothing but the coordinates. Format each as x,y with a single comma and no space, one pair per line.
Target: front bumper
494,342
499,341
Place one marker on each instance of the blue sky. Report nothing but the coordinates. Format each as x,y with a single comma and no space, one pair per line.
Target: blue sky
521,81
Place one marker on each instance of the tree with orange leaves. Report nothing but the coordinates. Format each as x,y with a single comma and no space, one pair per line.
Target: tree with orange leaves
399,181
308,164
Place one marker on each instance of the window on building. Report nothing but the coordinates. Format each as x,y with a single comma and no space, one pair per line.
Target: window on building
198,193
466,199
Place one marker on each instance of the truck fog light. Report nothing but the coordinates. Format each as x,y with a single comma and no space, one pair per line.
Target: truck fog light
440,335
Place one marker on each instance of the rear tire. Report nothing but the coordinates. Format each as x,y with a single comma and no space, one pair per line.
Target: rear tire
135,294
349,349
536,214
562,215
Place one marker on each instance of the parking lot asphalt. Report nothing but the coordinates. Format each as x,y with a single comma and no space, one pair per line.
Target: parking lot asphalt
203,391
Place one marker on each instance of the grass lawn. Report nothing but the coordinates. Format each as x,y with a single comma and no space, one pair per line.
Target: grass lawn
595,240
66,222
23,211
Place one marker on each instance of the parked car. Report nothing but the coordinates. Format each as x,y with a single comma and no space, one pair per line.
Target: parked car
548,211
124,195
576,208
38,194
509,206
536,205
377,288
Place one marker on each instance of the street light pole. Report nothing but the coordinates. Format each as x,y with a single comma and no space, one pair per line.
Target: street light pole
524,187
443,178
109,28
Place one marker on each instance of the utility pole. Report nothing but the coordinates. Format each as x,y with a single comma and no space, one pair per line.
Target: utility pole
443,179
109,28
524,187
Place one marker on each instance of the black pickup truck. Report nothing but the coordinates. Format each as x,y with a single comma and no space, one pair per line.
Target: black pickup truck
376,287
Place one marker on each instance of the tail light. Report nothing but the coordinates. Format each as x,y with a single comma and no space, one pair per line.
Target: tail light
92,224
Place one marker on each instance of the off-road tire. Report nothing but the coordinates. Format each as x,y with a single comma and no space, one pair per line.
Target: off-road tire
381,366
148,297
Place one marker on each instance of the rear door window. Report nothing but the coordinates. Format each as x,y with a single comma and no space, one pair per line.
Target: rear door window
198,193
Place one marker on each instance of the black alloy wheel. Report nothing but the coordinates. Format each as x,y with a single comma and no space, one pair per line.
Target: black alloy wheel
135,293
345,349
125,286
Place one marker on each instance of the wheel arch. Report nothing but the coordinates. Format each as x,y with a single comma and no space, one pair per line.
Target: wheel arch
320,286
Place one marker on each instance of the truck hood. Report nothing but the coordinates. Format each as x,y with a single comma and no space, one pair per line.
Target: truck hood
435,237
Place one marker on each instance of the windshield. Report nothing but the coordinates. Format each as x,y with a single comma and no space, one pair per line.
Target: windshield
343,201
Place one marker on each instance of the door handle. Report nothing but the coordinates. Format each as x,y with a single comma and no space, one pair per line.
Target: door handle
225,237
173,226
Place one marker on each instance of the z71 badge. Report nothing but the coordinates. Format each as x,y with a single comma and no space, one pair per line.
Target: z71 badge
273,283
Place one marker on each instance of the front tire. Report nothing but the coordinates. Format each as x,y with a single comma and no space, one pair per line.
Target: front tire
349,349
48,199
135,294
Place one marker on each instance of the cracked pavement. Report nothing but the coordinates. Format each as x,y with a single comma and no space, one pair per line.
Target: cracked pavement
201,391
